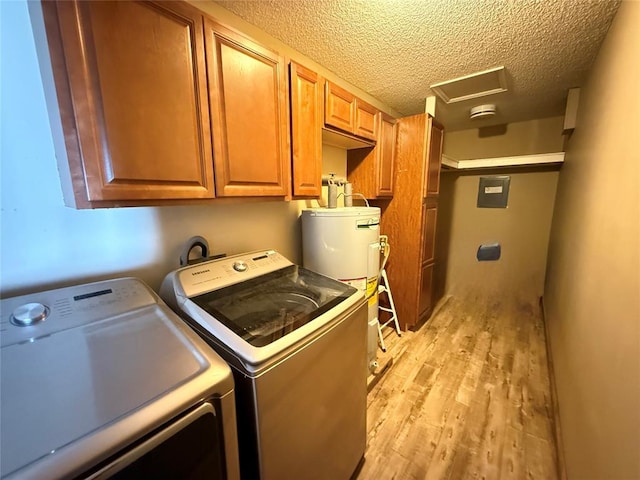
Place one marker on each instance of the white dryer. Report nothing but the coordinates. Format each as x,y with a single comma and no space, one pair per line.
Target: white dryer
102,380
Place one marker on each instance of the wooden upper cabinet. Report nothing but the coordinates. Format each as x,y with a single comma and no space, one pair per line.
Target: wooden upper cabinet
434,159
339,107
346,112
306,131
132,92
248,101
386,155
372,170
366,121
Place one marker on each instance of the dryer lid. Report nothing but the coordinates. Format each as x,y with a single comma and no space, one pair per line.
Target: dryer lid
81,375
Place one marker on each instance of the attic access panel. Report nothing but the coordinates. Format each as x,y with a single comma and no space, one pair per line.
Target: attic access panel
493,192
480,84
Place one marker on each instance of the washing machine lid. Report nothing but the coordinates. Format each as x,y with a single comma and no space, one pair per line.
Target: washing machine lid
264,309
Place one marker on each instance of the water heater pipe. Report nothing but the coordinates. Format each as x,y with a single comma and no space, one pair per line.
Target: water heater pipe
332,177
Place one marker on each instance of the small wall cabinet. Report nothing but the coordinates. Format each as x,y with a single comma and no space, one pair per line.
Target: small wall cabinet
409,219
347,112
367,120
372,170
306,91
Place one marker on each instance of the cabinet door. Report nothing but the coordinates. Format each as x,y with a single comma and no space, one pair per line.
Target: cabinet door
339,107
366,121
131,84
434,159
429,218
425,294
372,170
247,97
386,148
306,131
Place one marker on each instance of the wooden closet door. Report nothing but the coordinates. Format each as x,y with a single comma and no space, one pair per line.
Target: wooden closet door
429,218
248,101
425,299
137,81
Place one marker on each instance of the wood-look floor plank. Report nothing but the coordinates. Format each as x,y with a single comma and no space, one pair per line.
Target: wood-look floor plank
467,396
540,458
446,450
477,358
487,427
419,449
513,456
539,385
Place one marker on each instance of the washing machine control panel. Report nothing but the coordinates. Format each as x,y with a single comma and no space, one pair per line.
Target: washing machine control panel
208,276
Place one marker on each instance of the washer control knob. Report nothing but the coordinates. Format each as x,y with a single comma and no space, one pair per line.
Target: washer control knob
29,314
240,266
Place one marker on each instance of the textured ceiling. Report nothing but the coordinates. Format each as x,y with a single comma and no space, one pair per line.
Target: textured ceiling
395,49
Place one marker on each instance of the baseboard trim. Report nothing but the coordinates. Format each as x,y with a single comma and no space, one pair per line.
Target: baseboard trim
562,467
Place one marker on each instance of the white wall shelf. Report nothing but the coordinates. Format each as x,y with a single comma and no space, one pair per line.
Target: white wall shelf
498,162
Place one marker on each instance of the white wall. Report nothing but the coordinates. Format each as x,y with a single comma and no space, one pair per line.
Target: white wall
45,244
592,293
521,229
529,137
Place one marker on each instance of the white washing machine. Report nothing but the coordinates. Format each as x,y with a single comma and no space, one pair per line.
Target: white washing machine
296,343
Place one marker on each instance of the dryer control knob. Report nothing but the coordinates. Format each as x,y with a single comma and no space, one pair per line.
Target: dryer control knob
240,266
29,314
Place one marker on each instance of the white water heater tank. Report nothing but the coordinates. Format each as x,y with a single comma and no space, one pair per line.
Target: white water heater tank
344,243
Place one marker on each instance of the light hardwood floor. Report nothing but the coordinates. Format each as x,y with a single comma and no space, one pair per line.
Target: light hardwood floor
466,397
